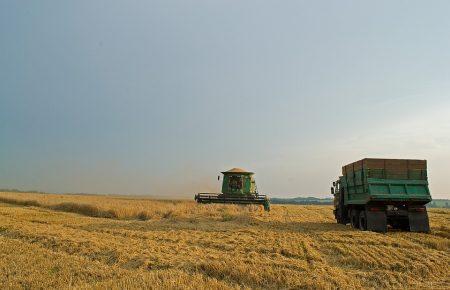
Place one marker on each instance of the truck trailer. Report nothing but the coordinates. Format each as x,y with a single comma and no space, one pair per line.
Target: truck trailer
373,194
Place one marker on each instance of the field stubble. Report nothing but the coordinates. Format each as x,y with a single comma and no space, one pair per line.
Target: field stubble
85,241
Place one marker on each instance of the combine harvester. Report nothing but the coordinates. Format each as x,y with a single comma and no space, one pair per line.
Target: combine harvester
238,187
374,193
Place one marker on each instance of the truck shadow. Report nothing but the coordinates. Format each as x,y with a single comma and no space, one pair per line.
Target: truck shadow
306,226
218,226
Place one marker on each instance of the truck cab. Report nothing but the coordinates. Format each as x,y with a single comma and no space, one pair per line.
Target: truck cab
339,210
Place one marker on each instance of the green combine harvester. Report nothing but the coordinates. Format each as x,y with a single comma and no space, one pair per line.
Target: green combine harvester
374,193
238,187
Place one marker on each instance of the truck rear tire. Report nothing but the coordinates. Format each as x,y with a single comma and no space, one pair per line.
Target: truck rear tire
363,220
339,215
418,220
376,220
400,224
354,218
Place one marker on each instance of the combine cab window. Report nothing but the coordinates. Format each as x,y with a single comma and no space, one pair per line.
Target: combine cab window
235,182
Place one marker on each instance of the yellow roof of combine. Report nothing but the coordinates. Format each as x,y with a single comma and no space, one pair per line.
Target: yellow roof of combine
237,170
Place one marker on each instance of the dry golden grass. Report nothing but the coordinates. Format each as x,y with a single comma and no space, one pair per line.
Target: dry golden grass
44,242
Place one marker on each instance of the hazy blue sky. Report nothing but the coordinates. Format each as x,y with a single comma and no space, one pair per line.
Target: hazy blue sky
156,97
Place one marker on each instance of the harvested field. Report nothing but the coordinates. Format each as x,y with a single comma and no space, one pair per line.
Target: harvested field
77,241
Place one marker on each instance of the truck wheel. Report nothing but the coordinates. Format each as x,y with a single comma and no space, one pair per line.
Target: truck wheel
418,220
376,220
363,221
339,216
354,218
401,224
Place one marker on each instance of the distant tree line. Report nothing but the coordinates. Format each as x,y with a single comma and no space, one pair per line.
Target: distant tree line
303,201
440,203
18,190
437,203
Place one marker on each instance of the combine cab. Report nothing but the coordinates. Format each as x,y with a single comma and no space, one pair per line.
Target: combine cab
238,187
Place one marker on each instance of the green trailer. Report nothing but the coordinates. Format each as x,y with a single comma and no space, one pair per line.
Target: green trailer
238,187
373,194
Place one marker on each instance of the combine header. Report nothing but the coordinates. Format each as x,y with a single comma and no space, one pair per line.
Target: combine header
238,187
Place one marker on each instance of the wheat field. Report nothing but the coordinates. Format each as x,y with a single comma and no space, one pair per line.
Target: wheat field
118,242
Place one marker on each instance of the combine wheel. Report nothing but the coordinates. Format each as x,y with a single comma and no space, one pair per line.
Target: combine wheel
354,218
266,205
363,220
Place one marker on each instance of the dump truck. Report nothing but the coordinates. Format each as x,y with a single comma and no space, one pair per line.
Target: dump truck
238,187
373,194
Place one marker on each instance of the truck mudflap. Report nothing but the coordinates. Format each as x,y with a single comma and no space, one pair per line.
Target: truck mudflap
376,220
418,220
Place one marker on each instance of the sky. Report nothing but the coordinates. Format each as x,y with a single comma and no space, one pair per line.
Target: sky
157,97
